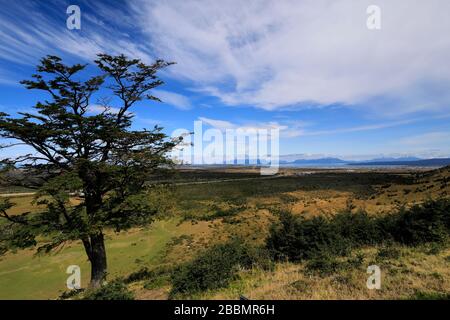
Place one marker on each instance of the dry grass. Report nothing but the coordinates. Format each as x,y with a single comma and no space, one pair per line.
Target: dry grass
414,271
323,193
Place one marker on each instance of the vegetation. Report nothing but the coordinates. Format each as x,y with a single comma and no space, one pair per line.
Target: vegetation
414,262
97,156
112,291
296,238
216,267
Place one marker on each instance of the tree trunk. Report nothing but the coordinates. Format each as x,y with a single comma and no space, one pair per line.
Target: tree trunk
97,257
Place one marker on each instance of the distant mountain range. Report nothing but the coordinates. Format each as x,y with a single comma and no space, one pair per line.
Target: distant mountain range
403,161
322,161
436,162
390,159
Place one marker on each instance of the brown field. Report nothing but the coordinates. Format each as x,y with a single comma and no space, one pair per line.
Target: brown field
214,205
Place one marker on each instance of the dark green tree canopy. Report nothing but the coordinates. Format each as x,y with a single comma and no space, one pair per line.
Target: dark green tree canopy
97,156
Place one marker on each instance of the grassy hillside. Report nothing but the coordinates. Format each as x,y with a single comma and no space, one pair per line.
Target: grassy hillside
210,214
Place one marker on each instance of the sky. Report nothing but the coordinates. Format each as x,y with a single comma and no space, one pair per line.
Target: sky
311,68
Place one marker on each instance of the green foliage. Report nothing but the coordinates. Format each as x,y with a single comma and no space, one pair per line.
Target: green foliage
71,294
216,267
232,210
15,232
154,277
421,295
388,253
115,290
296,238
139,275
324,264
98,157
429,222
157,281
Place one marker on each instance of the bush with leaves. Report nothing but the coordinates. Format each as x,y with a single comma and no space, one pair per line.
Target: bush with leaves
296,238
115,290
216,267
429,222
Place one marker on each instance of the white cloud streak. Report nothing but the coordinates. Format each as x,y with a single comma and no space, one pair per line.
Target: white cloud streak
267,54
175,99
278,54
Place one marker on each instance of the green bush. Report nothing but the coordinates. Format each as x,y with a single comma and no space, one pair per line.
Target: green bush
148,274
296,238
323,264
429,222
388,253
71,294
141,274
216,267
420,295
359,228
115,290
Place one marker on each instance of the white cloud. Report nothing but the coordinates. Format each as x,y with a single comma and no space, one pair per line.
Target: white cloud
289,129
177,100
96,109
218,124
426,140
274,54
269,54
368,127
27,34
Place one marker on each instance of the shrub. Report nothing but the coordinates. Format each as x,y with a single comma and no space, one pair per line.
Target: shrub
356,261
296,238
429,222
388,253
324,264
420,295
149,274
157,282
70,294
359,228
216,267
139,275
115,290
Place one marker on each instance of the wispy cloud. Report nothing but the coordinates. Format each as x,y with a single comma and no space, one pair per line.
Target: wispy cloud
267,54
287,130
427,140
275,54
175,99
96,109
218,124
296,128
370,127
30,30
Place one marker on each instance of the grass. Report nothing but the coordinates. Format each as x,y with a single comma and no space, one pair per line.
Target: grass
25,276
401,279
209,214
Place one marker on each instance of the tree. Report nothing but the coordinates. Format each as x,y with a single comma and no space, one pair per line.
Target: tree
97,156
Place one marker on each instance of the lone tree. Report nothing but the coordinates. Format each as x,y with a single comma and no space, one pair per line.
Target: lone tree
97,156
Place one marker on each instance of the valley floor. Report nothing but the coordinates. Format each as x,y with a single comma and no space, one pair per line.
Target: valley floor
212,206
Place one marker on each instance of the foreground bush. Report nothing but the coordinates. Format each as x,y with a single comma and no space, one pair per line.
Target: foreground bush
216,267
296,238
429,222
112,291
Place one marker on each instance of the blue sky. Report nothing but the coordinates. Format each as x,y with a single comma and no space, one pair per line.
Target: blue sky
310,68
